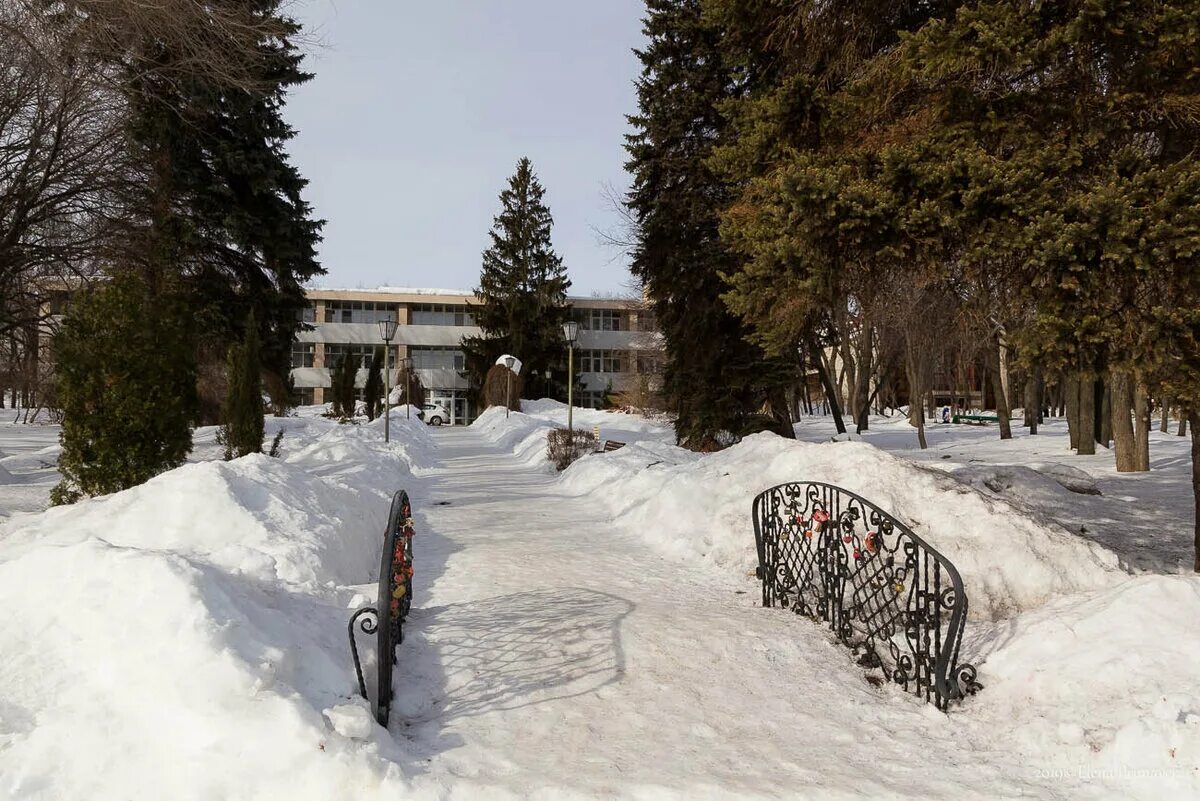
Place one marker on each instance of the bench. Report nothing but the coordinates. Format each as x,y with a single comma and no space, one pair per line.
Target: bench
610,445
975,418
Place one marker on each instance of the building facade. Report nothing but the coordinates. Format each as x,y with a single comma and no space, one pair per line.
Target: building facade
618,350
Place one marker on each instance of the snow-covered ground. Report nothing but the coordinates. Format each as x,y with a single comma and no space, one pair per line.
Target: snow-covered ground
594,634
1146,518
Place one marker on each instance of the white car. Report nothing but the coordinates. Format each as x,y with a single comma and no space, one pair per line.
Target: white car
435,414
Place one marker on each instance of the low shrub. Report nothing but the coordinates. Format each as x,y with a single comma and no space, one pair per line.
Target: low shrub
564,446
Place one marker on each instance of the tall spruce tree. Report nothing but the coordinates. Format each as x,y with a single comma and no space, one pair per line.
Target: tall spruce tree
123,359
242,425
714,379
222,199
374,388
523,287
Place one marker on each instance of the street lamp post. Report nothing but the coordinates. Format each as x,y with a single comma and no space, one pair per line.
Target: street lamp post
406,366
387,330
509,362
570,333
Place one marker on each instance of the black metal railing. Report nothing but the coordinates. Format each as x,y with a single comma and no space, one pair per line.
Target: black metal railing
831,555
395,595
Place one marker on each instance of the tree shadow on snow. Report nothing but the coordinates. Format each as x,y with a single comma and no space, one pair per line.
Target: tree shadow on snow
504,653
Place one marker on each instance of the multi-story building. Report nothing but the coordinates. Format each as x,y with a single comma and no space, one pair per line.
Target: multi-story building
618,349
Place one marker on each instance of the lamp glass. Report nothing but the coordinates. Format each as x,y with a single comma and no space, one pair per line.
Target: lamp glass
509,361
570,331
387,329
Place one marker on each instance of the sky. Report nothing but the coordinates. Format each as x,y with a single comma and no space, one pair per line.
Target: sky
419,112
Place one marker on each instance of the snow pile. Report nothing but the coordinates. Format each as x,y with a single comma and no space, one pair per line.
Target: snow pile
524,432
1104,679
186,638
699,508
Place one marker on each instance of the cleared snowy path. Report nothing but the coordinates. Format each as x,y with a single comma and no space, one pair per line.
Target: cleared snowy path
549,654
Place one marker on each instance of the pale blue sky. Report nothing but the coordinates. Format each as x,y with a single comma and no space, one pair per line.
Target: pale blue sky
419,112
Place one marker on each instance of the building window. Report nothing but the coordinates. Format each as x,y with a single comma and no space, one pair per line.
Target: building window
363,353
442,314
304,396
602,361
308,314
600,319
649,362
302,354
358,311
646,321
438,358
593,399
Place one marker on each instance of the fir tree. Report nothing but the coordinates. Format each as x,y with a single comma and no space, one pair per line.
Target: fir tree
523,285
374,389
341,388
126,385
223,200
242,428
713,378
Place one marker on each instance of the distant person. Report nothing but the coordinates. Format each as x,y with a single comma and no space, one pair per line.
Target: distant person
945,414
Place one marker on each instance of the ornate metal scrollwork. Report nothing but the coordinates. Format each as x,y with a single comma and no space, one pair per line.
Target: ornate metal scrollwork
831,555
395,595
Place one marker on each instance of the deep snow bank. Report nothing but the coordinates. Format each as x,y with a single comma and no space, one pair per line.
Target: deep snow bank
699,508
524,432
1104,681
186,639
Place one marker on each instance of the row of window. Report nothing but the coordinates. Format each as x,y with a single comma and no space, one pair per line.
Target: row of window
451,358
441,314
601,319
365,311
437,358
358,311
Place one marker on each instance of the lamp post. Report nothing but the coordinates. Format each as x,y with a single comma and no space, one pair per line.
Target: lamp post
570,333
387,330
509,362
405,364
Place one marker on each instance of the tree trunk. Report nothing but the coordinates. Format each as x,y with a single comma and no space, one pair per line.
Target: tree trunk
1002,411
1029,405
831,395
1033,402
1141,425
1104,419
862,389
1166,415
915,369
1086,411
1120,408
1070,386
1196,484
1183,423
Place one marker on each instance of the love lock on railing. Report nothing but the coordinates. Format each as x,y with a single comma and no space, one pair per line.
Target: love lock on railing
831,555
395,595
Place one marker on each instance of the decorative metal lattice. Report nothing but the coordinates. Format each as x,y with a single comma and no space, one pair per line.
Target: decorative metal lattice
395,591
831,555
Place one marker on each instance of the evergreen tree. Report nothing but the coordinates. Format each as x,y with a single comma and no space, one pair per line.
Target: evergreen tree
713,378
374,389
126,385
341,390
222,199
242,428
523,286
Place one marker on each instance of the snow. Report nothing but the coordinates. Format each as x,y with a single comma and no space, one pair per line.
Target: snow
698,509
590,634
186,638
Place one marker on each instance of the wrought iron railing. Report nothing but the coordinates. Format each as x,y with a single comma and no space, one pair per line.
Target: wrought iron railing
395,595
831,555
